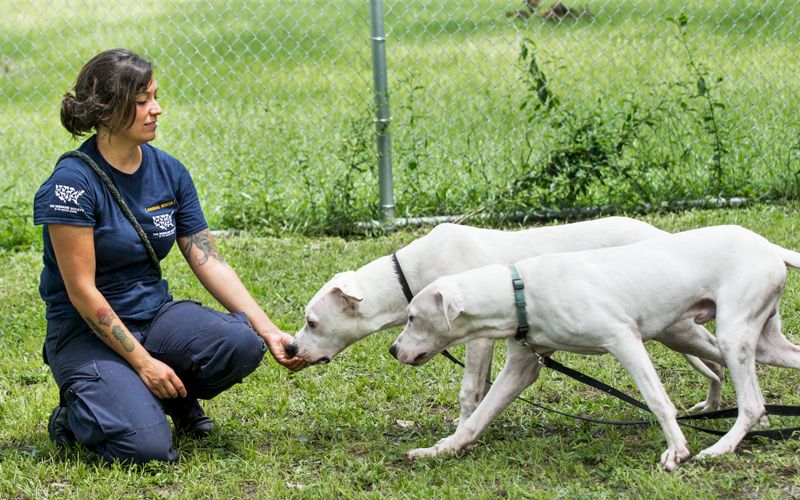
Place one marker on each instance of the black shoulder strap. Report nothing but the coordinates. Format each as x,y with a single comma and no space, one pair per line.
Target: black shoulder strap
122,205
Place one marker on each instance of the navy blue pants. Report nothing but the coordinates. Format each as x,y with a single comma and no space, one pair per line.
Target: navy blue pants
111,411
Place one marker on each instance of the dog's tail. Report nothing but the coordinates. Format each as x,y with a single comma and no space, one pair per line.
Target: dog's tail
789,257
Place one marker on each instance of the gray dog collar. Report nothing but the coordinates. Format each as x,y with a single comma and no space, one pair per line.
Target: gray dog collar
519,302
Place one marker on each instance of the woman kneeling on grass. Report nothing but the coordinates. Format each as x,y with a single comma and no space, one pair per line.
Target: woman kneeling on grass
122,352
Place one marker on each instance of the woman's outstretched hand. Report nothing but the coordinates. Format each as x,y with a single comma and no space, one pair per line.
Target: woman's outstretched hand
277,342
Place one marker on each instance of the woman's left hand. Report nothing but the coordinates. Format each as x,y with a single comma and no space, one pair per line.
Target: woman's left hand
277,341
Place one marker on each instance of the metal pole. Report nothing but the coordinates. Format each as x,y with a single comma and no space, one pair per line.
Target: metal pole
382,118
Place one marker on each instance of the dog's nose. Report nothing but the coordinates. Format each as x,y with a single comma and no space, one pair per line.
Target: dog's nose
291,350
393,351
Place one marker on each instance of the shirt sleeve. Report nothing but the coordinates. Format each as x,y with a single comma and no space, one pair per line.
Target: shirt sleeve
190,218
67,197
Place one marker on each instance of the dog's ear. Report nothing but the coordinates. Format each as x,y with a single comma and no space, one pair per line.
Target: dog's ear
451,303
350,294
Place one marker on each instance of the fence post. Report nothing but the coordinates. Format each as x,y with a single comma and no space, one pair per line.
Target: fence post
382,119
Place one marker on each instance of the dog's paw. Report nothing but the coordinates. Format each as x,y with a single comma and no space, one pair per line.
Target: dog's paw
673,457
704,406
446,446
714,451
422,453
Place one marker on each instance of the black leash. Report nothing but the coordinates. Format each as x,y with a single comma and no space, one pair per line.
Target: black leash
455,360
777,434
122,205
782,410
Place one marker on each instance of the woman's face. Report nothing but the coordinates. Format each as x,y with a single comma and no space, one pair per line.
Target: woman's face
144,125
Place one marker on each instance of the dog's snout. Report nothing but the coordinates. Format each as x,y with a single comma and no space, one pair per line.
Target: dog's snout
393,351
291,350
420,357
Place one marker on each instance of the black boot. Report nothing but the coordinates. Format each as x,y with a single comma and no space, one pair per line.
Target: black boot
188,417
58,427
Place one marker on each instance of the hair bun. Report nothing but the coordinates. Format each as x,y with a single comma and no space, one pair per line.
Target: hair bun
105,93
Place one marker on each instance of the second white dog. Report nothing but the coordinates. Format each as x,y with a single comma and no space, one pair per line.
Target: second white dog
609,301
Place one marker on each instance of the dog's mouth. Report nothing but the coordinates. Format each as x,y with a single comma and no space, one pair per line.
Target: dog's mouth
322,361
420,359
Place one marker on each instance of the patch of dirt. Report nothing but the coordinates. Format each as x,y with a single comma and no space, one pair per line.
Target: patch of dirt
557,12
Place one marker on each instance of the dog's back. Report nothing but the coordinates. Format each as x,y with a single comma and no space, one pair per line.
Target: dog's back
722,250
662,278
452,248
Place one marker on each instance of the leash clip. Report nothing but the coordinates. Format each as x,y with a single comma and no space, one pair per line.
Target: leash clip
522,335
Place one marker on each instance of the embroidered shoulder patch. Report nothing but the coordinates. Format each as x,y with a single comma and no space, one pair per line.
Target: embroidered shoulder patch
68,194
164,221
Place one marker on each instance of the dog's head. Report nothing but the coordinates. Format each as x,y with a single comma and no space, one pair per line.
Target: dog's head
434,323
333,321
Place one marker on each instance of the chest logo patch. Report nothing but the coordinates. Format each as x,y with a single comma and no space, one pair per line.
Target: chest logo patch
68,194
164,221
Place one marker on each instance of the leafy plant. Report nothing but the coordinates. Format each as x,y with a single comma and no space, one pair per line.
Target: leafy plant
707,92
588,149
343,204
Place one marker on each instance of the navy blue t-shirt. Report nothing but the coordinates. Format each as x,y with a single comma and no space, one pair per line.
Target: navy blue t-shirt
162,197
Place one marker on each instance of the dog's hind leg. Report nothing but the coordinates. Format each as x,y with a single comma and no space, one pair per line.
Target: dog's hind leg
633,356
706,368
477,369
698,347
773,348
713,372
687,337
521,370
737,339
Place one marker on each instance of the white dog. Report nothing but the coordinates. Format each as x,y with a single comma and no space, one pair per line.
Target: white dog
610,300
355,304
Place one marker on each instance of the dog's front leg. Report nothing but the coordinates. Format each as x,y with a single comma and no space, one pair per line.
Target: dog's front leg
477,369
521,370
632,355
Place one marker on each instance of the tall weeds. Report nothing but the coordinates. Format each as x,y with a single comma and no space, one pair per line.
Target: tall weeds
639,151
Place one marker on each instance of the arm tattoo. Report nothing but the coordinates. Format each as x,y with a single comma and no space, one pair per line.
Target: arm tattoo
96,329
105,317
123,339
205,243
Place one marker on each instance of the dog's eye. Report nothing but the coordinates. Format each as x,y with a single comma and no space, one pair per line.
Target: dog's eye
311,324
410,319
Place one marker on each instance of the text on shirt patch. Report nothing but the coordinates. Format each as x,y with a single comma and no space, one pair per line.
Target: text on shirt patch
160,206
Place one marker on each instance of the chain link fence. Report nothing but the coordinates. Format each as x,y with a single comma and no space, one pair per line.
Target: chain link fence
496,106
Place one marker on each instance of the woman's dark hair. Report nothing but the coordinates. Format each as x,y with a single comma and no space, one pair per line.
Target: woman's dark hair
105,93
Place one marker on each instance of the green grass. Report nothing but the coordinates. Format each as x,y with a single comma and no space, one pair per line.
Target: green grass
265,100
336,431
